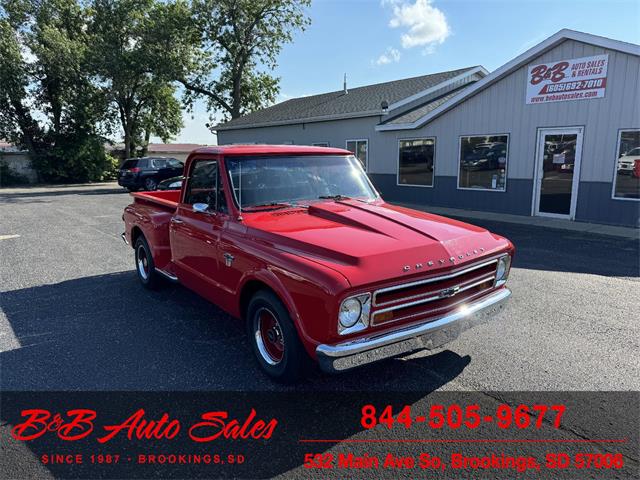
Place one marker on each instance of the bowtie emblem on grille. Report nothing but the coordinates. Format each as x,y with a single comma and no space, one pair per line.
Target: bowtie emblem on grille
449,292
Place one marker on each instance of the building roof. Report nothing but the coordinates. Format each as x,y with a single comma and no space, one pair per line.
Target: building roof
162,147
423,109
509,68
358,102
173,147
7,147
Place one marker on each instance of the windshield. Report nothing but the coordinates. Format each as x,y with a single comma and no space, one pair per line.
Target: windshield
273,181
167,163
634,152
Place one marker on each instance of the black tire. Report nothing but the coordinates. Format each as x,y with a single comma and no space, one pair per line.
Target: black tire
145,268
150,184
132,189
291,364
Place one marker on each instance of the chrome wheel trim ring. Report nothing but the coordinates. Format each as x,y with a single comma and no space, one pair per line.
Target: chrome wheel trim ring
266,344
142,262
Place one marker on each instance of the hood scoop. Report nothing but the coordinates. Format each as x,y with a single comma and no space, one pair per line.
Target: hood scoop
340,214
287,212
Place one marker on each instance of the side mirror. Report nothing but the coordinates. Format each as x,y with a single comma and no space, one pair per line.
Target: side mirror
201,208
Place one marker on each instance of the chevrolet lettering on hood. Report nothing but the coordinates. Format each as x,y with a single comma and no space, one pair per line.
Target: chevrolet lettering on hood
296,242
442,261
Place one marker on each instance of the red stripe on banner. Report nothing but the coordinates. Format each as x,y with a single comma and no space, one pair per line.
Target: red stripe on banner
466,440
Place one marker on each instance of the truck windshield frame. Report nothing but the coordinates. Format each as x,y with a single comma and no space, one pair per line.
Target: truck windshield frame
295,180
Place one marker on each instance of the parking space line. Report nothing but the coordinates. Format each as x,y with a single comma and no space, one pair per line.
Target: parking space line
7,237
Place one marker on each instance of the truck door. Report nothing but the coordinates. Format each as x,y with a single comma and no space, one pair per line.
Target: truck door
195,229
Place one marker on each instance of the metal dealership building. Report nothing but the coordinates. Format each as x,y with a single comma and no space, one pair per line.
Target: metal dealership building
554,132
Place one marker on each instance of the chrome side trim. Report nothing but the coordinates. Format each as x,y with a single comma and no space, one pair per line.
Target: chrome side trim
432,334
426,281
167,275
490,278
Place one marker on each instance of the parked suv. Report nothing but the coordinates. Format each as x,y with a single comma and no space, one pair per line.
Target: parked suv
146,172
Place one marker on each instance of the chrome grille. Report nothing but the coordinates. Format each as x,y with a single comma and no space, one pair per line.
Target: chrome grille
430,296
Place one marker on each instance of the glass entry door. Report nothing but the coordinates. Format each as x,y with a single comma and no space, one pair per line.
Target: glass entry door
557,171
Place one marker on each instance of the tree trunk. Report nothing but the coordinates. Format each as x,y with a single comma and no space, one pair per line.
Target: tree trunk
27,126
236,94
127,143
145,146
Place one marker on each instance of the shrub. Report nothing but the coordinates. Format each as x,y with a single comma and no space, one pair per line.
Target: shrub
77,158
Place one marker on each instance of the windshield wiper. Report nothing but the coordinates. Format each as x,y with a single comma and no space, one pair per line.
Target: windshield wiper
334,197
342,197
273,206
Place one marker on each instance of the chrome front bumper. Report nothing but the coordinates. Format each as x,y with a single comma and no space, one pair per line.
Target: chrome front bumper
429,335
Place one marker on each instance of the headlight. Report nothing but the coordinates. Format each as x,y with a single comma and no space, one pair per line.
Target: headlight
502,270
349,312
354,314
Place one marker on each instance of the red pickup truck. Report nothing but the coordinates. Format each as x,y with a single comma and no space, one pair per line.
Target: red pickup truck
297,242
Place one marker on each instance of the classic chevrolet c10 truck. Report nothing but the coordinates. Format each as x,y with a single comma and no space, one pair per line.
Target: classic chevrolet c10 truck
297,242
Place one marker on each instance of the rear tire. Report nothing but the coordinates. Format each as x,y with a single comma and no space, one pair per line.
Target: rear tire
145,268
274,339
150,184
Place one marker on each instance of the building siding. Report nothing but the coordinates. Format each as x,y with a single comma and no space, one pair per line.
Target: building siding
444,193
500,109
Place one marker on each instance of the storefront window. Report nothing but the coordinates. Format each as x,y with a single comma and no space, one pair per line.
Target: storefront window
415,162
627,177
483,162
360,149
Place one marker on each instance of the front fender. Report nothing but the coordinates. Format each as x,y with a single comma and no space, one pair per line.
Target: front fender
310,305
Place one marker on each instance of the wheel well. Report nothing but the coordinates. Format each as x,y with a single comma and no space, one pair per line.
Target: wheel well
135,233
249,290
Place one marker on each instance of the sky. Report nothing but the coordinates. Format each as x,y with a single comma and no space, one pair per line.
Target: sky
375,41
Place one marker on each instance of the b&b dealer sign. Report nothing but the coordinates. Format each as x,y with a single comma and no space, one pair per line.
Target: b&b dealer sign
575,79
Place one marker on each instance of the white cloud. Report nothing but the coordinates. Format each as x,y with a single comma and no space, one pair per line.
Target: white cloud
424,24
390,55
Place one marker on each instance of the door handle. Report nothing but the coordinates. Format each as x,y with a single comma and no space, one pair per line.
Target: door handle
176,221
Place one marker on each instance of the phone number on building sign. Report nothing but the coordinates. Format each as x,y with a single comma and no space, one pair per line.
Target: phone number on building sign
456,416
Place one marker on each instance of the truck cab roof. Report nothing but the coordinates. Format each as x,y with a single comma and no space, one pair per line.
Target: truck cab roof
255,149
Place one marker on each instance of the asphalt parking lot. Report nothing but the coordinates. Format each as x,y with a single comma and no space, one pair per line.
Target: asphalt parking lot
73,316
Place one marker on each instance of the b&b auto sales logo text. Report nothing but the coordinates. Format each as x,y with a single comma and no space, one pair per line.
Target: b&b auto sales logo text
79,424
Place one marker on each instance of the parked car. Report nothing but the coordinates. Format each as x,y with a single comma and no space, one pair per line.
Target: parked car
173,183
146,172
627,162
486,156
297,242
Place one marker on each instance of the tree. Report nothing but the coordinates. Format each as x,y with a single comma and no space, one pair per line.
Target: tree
240,44
127,63
162,117
16,122
43,53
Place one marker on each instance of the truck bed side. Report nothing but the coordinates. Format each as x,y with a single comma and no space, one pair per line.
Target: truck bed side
149,215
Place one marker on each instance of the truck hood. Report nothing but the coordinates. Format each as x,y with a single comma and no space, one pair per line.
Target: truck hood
371,243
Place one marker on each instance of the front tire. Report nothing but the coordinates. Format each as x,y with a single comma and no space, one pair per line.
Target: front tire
274,338
145,268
